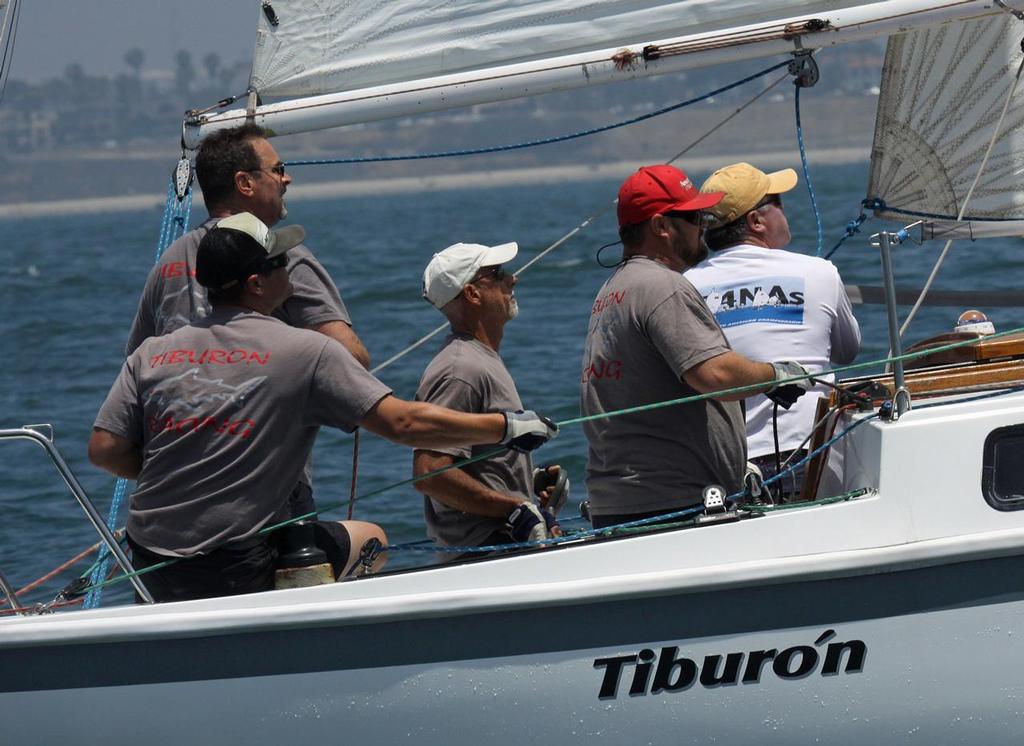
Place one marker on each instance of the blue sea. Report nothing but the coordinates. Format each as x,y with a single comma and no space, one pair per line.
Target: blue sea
69,286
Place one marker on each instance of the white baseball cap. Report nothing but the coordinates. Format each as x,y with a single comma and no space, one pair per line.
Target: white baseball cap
452,269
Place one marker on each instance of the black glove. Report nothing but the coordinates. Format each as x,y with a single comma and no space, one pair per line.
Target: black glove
557,485
787,393
527,522
527,430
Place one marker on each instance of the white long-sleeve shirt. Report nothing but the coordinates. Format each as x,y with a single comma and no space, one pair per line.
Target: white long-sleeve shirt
774,305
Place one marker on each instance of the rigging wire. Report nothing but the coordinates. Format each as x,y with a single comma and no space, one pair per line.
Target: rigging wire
807,173
592,217
644,521
7,57
967,199
541,141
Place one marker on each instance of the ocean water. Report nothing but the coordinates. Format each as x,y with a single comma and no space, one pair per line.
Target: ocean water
69,286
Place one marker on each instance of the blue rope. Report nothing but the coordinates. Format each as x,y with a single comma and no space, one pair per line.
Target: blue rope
807,174
543,141
851,228
173,224
875,203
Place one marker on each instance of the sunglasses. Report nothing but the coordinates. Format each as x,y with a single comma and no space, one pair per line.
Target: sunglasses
693,217
496,273
769,199
281,260
277,169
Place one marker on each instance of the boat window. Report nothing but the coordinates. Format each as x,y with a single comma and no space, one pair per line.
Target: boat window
1002,472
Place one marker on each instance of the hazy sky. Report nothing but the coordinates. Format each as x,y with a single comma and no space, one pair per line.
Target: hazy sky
96,33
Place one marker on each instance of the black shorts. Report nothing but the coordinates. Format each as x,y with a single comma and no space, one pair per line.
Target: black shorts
235,568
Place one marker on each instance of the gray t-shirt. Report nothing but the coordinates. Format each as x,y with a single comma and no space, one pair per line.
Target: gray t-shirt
648,326
172,298
469,376
226,411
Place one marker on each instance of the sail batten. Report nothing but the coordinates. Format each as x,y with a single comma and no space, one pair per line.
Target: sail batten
942,97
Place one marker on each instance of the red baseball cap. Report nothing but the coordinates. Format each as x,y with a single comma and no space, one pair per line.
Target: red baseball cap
654,190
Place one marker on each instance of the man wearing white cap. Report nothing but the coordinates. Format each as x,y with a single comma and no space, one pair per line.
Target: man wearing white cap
488,502
772,303
215,421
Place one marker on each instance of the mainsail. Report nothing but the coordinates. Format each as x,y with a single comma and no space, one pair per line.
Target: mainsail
349,61
943,91
316,47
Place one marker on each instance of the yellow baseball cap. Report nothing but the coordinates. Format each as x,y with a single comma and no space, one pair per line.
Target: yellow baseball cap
744,186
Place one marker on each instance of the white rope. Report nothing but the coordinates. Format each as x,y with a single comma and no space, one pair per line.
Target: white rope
963,207
584,224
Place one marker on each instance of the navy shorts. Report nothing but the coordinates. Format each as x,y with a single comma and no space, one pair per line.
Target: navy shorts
238,567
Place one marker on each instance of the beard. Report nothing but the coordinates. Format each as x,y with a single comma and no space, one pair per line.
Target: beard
513,308
284,211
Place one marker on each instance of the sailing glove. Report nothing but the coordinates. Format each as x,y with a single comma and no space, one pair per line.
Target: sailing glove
527,522
525,431
785,394
556,484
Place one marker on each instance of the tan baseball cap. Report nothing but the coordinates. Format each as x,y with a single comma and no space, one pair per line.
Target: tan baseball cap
744,186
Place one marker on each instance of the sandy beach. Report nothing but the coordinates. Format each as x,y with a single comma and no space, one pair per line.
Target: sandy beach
468,180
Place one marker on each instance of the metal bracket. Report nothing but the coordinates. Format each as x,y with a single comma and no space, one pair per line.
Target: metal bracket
804,69
891,410
183,175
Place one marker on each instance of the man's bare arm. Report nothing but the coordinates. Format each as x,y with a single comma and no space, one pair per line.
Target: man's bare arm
459,490
115,454
345,334
727,371
423,425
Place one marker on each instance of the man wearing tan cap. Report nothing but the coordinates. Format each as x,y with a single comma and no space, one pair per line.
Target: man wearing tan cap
652,339
771,302
491,501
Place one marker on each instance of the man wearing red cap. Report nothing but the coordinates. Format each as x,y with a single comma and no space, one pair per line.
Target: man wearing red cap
652,339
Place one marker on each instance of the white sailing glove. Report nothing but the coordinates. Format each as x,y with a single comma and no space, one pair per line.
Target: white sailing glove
527,522
525,431
787,393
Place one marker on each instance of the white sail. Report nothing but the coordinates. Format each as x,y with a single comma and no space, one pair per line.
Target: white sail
380,62
319,47
937,114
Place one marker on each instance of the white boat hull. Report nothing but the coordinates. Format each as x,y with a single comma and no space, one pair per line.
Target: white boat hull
922,655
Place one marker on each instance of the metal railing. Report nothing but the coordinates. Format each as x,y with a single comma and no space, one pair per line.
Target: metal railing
45,439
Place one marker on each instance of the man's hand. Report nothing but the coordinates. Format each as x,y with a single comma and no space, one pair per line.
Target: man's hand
527,522
787,393
525,431
551,485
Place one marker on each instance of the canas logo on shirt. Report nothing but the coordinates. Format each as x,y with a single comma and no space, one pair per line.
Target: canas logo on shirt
776,300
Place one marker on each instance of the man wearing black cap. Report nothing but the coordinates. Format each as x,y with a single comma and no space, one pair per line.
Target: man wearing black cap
216,419
239,171
652,338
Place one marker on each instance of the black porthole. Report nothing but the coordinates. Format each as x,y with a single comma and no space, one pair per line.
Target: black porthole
1002,470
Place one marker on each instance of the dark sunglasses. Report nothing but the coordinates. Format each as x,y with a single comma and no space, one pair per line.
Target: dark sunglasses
281,260
496,273
277,169
769,199
693,217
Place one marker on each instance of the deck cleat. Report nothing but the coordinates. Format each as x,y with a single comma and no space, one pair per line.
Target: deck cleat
716,510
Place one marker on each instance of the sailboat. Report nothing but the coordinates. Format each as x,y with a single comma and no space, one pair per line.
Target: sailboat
886,606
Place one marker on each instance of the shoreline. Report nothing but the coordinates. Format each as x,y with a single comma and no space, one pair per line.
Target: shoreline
441,182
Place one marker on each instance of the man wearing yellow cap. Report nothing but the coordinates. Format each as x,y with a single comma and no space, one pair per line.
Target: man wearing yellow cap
771,303
652,339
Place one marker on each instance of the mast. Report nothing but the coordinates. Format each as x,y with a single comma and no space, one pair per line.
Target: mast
561,73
